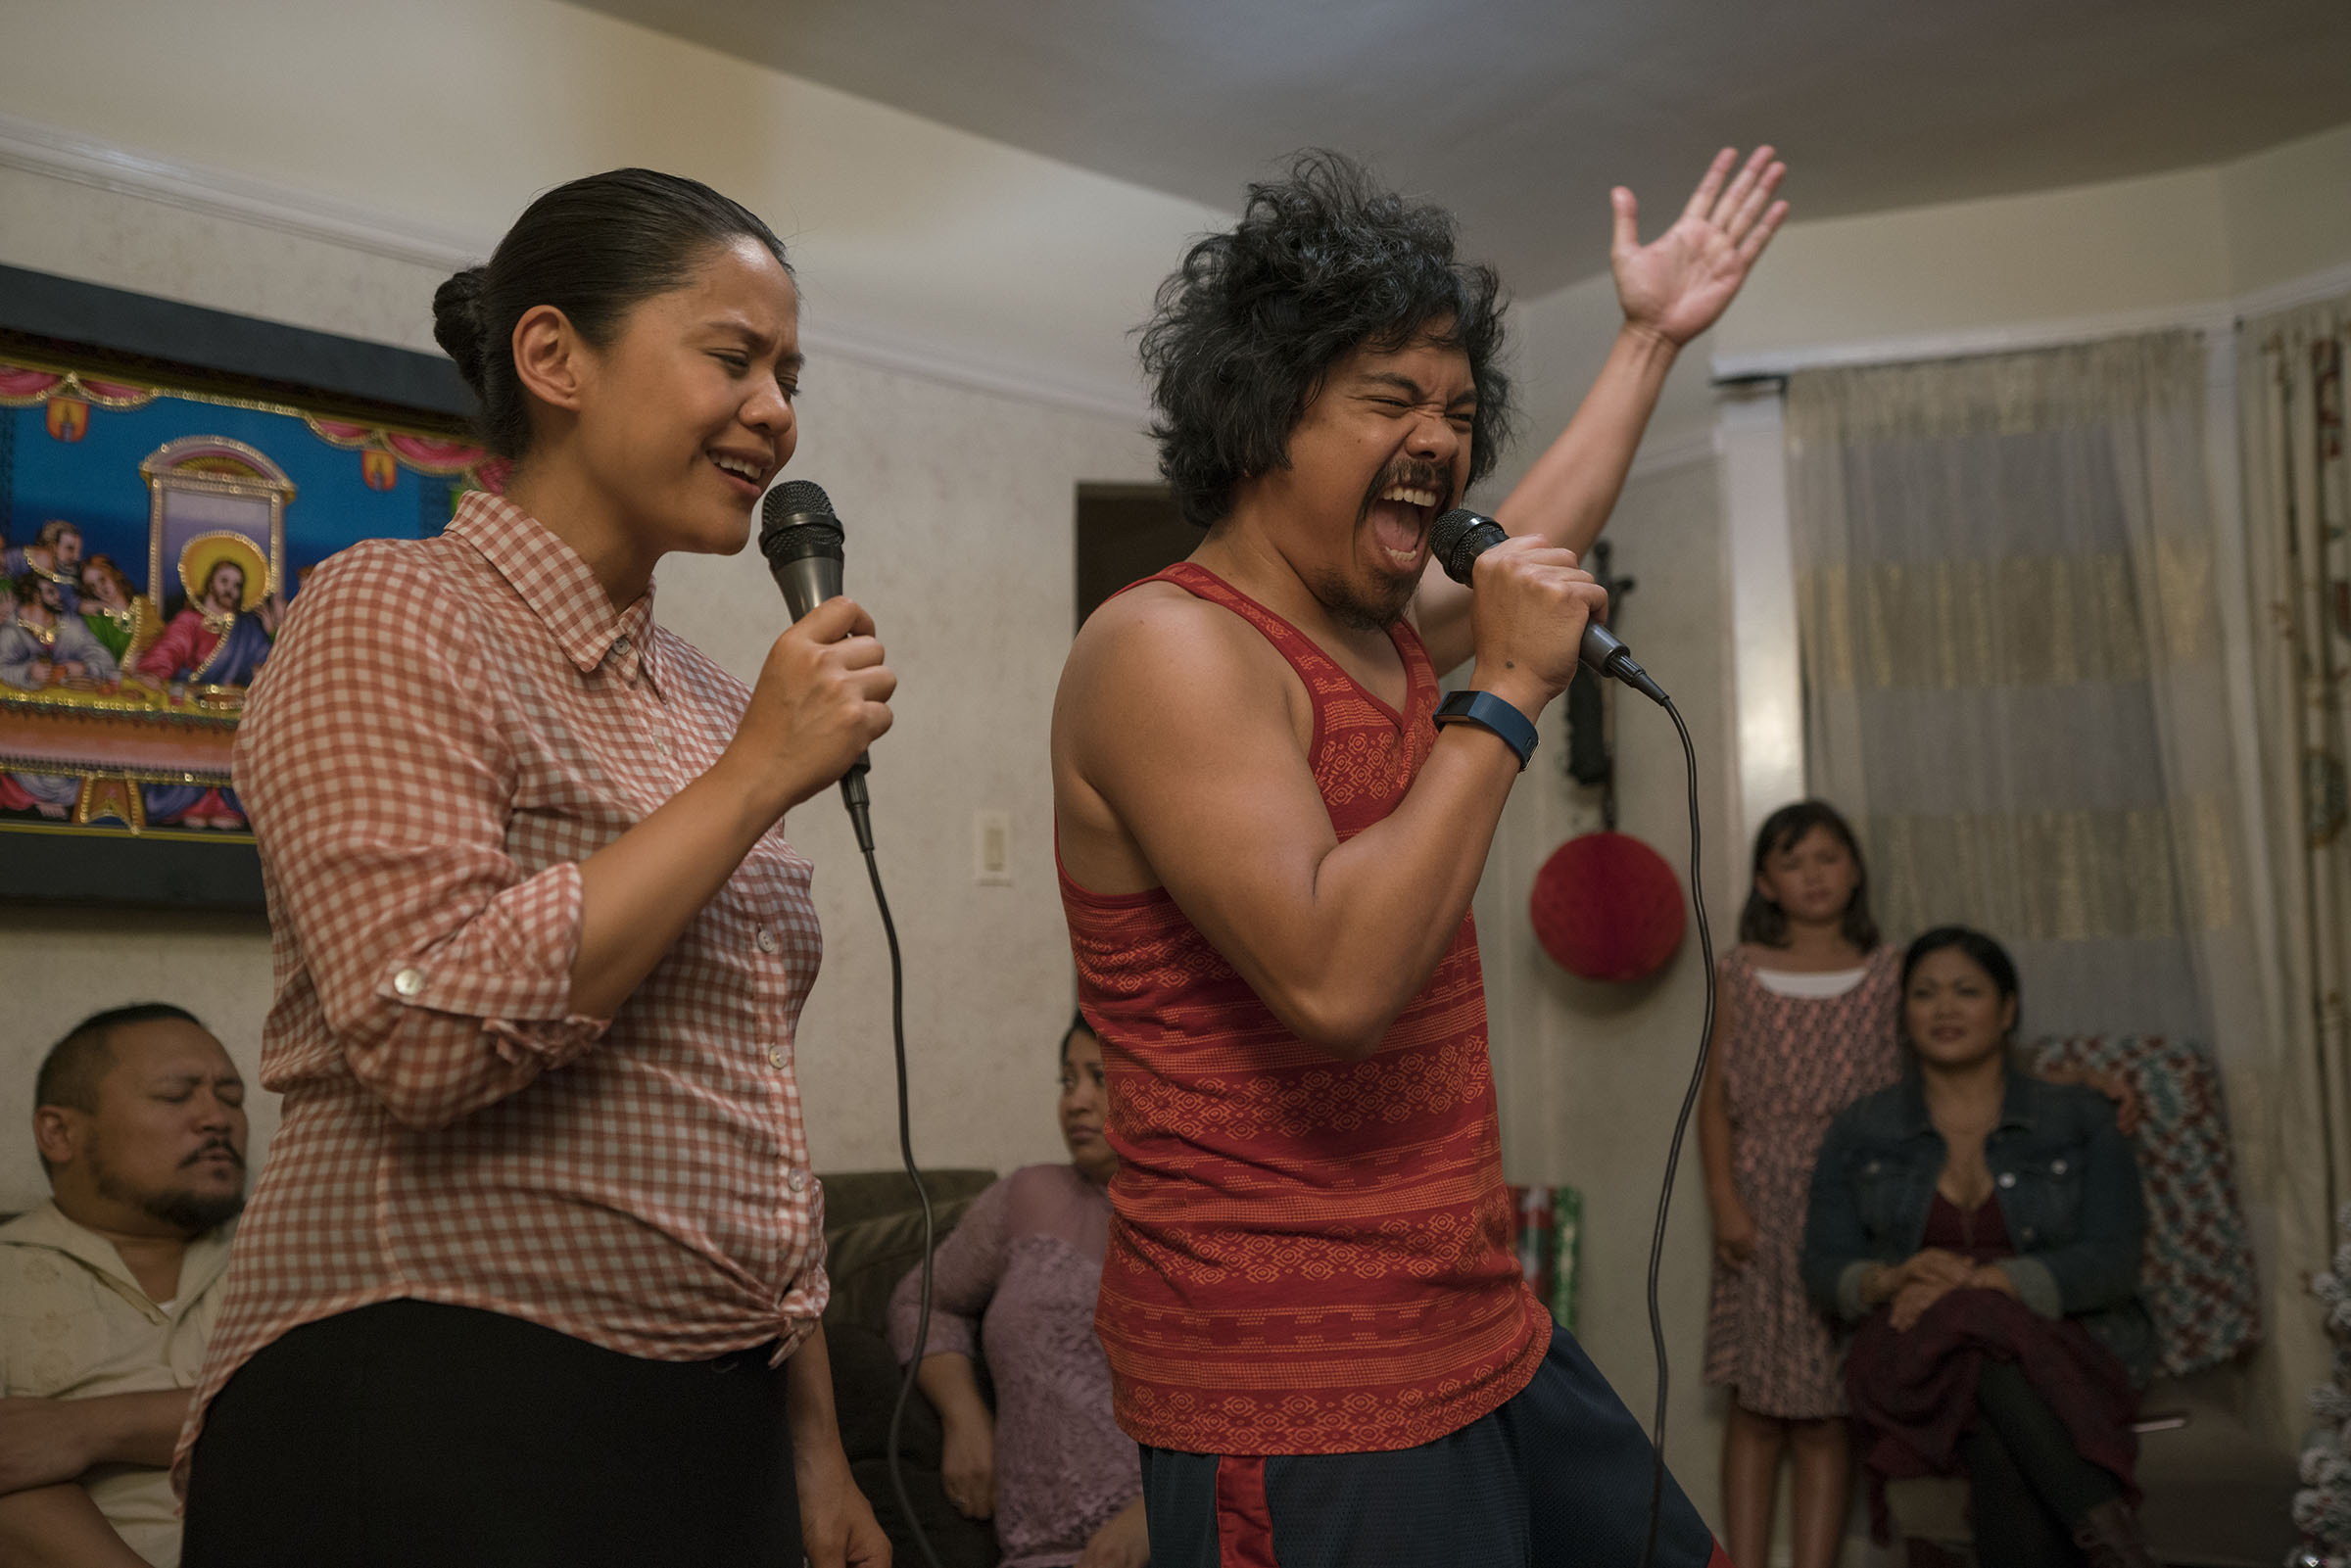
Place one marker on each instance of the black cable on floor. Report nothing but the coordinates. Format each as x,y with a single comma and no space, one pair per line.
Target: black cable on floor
1673,1152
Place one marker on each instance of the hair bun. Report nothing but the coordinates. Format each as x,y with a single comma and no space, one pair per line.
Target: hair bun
457,322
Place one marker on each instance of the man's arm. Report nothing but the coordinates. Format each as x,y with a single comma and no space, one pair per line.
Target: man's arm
85,649
175,649
1170,724
46,1440
1671,290
59,1527
19,655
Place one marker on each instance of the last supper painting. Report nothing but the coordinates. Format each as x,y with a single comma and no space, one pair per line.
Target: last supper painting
155,531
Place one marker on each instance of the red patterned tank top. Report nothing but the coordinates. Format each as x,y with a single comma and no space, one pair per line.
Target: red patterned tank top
1306,1256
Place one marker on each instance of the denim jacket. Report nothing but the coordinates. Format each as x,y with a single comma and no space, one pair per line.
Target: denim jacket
2066,1180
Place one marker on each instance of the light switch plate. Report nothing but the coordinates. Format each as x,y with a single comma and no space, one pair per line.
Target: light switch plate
991,847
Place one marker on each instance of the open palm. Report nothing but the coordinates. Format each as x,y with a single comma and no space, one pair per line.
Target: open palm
1680,282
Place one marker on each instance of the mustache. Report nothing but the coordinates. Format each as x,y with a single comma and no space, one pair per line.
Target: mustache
1414,473
216,1145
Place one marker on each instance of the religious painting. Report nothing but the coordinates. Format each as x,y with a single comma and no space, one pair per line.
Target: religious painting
155,529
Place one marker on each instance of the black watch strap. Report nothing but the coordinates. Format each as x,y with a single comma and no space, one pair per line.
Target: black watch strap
1490,712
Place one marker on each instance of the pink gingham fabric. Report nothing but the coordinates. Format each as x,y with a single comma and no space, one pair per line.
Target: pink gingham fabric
445,729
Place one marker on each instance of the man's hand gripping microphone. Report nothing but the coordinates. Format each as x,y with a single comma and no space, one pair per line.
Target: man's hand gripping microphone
801,539
1460,536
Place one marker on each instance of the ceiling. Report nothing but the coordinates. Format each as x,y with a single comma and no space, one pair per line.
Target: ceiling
1521,113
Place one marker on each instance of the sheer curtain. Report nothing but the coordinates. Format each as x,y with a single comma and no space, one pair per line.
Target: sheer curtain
2016,682
2013,673
2291,390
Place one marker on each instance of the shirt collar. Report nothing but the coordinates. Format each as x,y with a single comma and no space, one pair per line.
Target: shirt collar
557,586
203,1262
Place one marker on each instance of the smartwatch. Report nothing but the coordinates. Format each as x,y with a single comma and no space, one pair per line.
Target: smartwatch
1490,712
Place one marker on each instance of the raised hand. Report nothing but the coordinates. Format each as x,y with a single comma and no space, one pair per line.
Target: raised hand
1679,283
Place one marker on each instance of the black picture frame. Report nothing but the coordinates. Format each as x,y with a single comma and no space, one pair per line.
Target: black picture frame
191,345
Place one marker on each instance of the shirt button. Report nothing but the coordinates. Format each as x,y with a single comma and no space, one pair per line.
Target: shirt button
2056,1167
797,1179
407,982
767,940
661,745
775,1057
2007,1178
620,644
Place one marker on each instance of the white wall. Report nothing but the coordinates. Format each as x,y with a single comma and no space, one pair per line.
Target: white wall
452,112
2133,252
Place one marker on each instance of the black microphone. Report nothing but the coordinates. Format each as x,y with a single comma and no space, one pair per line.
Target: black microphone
1460,536
801,539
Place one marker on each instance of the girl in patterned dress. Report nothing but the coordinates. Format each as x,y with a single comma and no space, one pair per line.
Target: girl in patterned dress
1804,1027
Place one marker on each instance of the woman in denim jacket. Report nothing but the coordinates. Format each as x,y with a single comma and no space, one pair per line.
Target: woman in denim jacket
1984,1228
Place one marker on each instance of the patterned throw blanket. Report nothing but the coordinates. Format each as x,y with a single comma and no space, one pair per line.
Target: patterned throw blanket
2198,1281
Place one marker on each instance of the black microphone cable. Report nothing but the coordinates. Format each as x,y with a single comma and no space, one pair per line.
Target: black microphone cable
898,1037
1674,1152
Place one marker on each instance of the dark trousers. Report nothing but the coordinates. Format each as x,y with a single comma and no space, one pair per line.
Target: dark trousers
411,1433
1557,1477
2026,1485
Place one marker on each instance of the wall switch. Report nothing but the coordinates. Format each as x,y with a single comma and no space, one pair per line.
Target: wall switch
991,847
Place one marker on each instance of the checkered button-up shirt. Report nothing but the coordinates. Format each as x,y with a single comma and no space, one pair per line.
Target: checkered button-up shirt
445,729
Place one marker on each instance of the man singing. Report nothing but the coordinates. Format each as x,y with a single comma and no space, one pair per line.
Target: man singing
1315,1324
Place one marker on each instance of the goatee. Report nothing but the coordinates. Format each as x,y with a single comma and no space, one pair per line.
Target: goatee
1359,611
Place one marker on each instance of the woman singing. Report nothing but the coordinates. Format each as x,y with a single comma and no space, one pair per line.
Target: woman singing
534,1273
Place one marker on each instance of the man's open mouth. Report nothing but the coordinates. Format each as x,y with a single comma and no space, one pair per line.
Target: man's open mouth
1400,516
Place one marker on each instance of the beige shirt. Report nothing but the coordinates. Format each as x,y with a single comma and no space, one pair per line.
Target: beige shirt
75,1324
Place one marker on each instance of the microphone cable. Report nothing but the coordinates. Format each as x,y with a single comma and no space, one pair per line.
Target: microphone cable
1673,1152
922,1321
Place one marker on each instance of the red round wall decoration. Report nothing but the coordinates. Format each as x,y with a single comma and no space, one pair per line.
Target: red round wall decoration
1607,907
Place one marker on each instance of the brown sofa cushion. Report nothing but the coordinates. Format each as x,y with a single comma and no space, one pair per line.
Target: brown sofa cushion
873,1234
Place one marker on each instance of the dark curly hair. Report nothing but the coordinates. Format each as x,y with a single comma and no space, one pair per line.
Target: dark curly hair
1323,262
592,248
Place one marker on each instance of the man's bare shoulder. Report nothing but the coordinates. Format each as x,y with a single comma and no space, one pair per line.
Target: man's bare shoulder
1158,641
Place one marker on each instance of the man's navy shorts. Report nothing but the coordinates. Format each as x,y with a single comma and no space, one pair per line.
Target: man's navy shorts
1557,1476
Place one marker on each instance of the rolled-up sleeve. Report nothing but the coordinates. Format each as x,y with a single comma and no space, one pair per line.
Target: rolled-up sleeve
379,781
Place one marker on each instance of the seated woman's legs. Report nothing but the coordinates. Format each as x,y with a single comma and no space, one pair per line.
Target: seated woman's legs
2069,1485
2013,1526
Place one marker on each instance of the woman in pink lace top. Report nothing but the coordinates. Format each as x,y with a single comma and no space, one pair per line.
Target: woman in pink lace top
1018,1277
